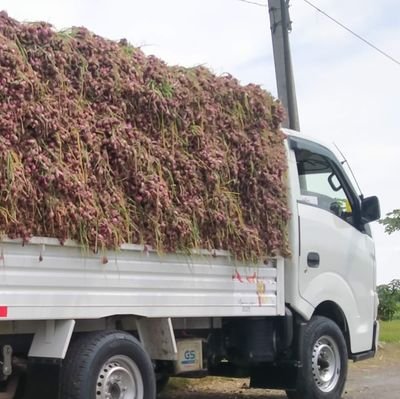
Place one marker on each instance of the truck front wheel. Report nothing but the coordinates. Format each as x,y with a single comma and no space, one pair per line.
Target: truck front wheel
324,362
107,365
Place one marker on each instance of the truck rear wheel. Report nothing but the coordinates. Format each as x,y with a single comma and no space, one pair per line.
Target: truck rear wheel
107,365
324,362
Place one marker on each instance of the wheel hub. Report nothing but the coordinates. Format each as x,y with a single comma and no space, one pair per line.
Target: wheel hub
119,378
326,364
115,391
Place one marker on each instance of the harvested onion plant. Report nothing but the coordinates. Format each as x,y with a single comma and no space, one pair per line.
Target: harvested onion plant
104,145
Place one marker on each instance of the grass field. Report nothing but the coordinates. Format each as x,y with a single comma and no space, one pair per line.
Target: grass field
390,331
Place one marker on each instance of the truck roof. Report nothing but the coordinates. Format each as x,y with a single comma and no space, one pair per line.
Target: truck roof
314,139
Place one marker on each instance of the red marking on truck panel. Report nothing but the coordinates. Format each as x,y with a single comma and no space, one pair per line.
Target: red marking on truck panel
252,279
237,276
3,311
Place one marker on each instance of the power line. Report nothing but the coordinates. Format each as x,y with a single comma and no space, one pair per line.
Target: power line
254,3
354,33
359,37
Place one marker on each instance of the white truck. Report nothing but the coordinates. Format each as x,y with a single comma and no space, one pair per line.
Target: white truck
79,325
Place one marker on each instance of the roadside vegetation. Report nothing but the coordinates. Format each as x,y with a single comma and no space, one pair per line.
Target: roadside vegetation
389,312
390,331
391,221
389,300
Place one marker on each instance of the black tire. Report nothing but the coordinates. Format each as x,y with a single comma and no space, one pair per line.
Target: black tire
107,362
324,362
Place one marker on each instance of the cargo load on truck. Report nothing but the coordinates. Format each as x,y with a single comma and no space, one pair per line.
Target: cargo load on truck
104,145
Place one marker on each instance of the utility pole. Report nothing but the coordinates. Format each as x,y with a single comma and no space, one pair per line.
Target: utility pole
280,26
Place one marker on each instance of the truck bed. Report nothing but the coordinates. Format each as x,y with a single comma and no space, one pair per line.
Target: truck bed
44,280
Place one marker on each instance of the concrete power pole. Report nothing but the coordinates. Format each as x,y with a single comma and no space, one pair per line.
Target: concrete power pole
280,26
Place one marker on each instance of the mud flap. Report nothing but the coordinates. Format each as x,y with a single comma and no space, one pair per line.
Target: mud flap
274,377
42,380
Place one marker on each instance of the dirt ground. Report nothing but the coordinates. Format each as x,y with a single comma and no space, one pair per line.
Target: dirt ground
370,379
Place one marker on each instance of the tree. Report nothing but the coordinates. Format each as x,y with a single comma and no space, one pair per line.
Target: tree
389,299
391,221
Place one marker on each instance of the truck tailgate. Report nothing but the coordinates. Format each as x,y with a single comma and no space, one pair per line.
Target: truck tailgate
45,280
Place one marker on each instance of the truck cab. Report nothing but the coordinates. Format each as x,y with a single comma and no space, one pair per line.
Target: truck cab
330,279
333,255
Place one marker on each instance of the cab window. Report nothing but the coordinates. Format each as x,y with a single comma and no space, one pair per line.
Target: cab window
320,185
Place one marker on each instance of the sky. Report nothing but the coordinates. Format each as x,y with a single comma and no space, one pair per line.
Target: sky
347,93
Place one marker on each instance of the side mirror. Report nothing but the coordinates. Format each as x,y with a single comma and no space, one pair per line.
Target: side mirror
370,209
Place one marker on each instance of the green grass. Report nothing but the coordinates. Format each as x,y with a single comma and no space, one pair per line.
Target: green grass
390,331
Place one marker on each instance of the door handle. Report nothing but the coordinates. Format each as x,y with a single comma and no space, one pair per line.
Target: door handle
313,259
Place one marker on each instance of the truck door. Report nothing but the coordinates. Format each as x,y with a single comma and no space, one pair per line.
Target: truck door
337,255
